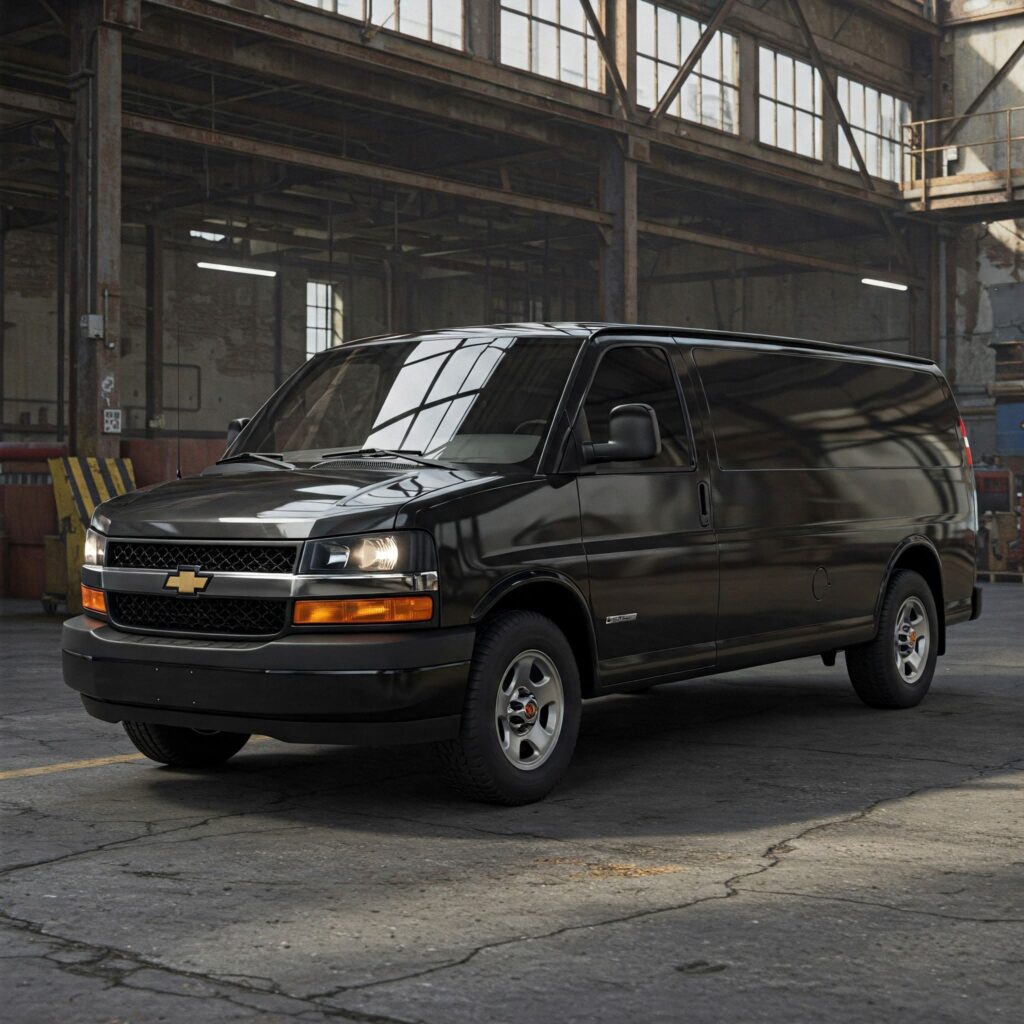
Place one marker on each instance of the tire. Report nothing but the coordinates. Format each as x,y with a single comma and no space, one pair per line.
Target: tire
184,748
884,672
510,750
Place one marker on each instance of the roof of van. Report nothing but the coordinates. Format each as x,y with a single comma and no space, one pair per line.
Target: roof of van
579,329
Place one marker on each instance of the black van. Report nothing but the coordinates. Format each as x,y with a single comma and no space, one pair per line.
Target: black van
455,537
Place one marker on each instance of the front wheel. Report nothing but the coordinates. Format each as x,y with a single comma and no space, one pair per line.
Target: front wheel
184,748
895,669
521,715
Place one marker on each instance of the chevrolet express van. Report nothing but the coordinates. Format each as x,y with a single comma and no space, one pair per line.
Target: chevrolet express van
457,537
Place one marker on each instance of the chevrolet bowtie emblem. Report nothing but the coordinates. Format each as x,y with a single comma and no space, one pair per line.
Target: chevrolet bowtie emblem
187,580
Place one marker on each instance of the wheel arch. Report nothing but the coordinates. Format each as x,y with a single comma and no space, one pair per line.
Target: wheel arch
919,555
558,598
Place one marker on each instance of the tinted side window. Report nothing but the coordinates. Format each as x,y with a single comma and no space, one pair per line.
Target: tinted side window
635,374
779,411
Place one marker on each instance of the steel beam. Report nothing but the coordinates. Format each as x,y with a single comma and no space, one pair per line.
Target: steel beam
356,168
96,234
618,256
798,259
610,58
36,104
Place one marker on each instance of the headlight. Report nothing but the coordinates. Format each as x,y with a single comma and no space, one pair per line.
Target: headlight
405,551
95,547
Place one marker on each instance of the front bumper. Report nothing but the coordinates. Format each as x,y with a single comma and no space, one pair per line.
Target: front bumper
401,687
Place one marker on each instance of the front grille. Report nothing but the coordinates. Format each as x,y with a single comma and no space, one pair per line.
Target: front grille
265,558
226,616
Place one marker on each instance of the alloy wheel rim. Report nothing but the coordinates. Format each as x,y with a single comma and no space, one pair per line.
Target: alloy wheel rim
529,710
911,640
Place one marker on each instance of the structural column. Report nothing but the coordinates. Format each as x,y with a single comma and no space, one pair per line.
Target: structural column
96,233
618,285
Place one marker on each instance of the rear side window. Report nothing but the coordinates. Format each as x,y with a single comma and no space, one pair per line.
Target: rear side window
639,374
781,411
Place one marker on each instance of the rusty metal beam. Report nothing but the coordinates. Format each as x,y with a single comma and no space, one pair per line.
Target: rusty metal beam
356,168
35,103
609,58
691,61
771,252
1008,65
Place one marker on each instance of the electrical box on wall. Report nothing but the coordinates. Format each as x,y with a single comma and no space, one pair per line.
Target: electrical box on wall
111,421
91,326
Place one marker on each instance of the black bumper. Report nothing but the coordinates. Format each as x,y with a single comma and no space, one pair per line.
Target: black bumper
323,688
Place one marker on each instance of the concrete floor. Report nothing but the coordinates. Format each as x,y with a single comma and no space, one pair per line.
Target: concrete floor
758,847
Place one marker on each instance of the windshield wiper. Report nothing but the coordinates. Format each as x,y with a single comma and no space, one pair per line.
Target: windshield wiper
277,461
388,452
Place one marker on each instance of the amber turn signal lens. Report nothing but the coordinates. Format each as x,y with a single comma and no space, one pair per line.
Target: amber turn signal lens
94,600
365,611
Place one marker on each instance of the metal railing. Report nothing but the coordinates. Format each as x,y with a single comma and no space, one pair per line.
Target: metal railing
993,162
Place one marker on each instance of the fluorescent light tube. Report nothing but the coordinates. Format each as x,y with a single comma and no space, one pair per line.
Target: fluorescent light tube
237,270
874,282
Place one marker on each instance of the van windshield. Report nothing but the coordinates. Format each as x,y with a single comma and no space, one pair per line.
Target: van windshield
456,399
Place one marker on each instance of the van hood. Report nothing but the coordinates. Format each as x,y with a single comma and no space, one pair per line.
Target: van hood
275,504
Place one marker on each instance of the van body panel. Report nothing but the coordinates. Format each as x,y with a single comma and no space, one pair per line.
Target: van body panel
794,478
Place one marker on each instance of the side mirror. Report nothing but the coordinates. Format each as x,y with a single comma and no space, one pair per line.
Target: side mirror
235,427
634,435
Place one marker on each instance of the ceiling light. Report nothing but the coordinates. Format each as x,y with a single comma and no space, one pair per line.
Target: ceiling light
207,236
237,270
874,282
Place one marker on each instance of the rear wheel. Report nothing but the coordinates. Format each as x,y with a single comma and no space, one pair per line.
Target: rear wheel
521,714
184,748
895,669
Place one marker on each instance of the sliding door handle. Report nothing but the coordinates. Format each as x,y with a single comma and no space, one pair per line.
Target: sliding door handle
704,503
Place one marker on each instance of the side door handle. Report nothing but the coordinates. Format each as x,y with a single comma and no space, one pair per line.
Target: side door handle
704,503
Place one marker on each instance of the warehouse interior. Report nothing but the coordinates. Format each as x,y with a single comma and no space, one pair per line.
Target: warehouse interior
196,195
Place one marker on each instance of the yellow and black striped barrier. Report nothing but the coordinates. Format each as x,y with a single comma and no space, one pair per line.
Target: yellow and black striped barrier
79,485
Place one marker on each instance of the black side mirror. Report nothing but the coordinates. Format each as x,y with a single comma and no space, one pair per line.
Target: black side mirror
634,435
235,427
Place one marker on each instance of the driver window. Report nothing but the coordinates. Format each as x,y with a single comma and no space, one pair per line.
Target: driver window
638,374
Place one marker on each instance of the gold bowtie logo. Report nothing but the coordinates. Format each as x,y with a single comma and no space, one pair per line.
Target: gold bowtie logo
187,580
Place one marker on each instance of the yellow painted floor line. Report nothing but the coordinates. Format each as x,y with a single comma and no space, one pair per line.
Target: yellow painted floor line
69,766
73,766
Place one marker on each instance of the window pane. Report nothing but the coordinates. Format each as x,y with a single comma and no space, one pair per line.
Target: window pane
545,49
730,109
668,35
645,82
690,34
729,60
766,121
871,110
766,72
447,15
515,42
804,86
547,9
573,16
595,68
414,18
784,66
804,134
350,8
571,67
710,61
690,104
784,128
856,114
711,103
645,28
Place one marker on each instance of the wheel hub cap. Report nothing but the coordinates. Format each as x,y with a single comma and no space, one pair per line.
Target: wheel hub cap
528,709
911,640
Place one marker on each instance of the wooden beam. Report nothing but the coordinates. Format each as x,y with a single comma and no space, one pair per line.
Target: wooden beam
691,61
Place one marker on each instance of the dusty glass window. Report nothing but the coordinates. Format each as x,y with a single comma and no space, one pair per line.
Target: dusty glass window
324,317
438,21
710,95
551,38
876,119
789,104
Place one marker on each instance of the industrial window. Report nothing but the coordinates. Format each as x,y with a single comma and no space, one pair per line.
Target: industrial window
324,317
877,120
439,21
710,95
789,104
551,38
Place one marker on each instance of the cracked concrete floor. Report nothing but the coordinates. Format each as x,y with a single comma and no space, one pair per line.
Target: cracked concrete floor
756,847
